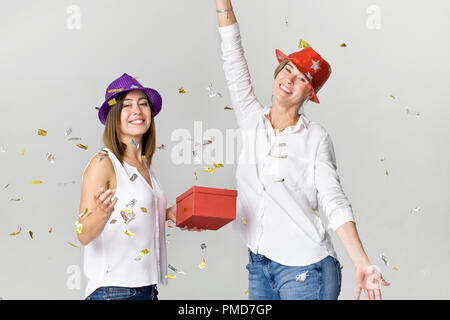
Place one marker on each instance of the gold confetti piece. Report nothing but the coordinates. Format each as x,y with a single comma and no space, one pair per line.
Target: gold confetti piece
82,146
181,90
34,182
72,139
17,232
228,108
202,264
79,228
14,199
115,90
169,225
343,45
196,176
387,172
73,245
218,165
81,215
113,221
31,234
42,132
209,170
393,97
128,211
50,231
243,220
396,268
303,44
129,233
246,291
144,209
144,252
23,151
342,266
112,102
170,276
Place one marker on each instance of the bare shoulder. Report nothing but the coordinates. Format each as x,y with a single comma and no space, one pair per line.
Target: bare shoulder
100,171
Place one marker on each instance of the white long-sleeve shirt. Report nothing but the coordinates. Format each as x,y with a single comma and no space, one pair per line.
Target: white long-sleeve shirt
283,180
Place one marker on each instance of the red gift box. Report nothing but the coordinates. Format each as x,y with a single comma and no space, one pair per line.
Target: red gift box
206,208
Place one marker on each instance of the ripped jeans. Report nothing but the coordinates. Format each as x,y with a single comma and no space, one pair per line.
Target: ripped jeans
269,280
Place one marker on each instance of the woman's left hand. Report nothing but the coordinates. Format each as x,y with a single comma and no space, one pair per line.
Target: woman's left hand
368,278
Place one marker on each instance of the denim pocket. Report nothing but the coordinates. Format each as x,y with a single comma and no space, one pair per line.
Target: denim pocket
121,293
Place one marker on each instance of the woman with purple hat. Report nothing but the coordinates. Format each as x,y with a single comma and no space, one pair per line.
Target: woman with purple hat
290,178
123,207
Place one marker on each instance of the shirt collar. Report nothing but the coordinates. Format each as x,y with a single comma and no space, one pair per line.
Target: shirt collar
302,120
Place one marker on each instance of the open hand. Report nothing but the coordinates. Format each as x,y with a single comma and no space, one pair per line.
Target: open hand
369,278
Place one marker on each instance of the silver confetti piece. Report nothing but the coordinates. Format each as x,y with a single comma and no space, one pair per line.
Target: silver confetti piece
71,139
384,259
133,177
415,210
412,112
175,269
203,246
213,94
50,158
131,203
135,144
68,132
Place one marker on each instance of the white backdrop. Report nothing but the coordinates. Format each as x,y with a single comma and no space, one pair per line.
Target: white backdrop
57,58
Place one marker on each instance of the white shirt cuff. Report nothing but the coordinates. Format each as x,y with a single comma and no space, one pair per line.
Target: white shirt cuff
340,216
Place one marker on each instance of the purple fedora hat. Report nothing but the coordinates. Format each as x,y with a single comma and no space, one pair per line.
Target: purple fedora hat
123,84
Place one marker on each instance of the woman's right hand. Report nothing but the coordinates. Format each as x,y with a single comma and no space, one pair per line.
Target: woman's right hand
103,200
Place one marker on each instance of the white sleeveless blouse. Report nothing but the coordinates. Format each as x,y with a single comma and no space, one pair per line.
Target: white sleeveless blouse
131,254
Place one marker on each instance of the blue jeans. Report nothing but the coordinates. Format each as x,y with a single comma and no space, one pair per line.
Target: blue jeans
269,280
124,293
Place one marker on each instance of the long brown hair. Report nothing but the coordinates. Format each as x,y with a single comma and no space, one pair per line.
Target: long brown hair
111,132
280,67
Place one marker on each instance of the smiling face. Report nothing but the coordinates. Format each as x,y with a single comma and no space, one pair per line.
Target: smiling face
291,87
136,114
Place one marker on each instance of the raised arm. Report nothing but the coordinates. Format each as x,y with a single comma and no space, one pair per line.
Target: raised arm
225,14
243,99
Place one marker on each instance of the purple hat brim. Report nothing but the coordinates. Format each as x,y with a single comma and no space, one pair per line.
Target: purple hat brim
152,94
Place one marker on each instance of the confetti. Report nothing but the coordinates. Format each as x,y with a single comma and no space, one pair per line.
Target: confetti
50,230
17,232
228,108
112,102
213,94
14,199
383,159
384,259
79,227
31,234
2,149
203,246
396,268
196,156
387,172
392,97
243,220
209,170
170,276
115,90
303,44
169,225
343,45
72,139
181,90
68,132
280,180
142,254
127,219
202,264
129,233
342,266
196,176
83,213
82,146
143,209
302,276
34,182
50,158
131,204
133,177
135,144
175,269
412,112
128,211
73,245
218,165
162,146
286,21
415,210
246,291
23,151
6,186
113,221
42,132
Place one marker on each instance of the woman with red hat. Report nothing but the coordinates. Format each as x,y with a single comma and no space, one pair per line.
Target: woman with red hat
285,176
123,207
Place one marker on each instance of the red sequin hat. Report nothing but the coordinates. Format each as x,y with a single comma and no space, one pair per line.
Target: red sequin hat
312,65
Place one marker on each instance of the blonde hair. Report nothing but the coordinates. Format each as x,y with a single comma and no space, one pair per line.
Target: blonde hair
111,133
